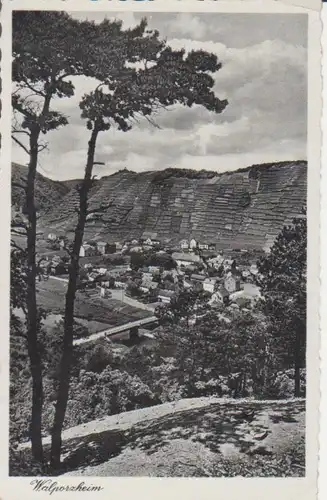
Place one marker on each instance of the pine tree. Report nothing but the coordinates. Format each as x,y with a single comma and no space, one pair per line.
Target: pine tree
282,278
148,76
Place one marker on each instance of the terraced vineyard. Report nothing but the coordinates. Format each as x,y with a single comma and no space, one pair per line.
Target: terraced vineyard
242,209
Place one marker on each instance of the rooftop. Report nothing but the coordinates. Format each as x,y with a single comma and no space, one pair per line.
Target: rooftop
188,257
165,293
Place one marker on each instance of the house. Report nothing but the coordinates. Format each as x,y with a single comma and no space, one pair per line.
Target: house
105,292
119,283
122,268
148,242
118,246
185,259
232,283
87,251
184,245
216,261
102,271
149,237
52,237
154,269
57,268
165,296
93,276
198,277
254,269
105,248
146,286
221,295
193,244
134,242
209,285
203,246
136,249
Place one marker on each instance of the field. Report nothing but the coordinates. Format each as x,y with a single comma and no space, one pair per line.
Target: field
98,311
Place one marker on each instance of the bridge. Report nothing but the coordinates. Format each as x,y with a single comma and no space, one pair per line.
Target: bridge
132,326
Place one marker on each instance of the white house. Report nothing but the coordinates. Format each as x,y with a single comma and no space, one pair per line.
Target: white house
120,284
254,269
87,251
221,295
52,237
136,249
203,246
216,261
193,244
232,283
165,296
154,269
119,246
209,285
185,259
184,245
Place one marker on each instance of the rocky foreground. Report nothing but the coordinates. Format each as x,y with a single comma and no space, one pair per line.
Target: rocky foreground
192,437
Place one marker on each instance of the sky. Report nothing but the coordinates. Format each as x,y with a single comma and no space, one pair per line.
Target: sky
263,76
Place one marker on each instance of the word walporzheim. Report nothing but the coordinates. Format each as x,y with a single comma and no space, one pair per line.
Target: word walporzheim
49,486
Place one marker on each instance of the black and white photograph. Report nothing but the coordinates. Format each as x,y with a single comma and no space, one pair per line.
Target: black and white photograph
158,246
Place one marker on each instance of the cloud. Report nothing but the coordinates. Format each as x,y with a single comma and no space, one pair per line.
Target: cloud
265,84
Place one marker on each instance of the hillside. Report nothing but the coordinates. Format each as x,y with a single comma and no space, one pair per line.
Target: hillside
241,209
47,191
191,437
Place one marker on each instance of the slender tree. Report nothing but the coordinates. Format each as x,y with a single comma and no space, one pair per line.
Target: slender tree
48,49
152,77
38,70
282,278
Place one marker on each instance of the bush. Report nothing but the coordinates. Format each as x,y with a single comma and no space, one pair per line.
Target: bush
281,386
21,463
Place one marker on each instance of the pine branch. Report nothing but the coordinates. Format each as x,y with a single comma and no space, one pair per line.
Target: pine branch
20,144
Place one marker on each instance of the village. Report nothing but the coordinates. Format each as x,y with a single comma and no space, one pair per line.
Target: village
146,272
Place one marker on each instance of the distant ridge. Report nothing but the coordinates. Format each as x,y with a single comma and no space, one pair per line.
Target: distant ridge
240,209
47,191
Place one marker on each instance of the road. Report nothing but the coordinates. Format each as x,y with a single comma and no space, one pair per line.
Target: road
116,329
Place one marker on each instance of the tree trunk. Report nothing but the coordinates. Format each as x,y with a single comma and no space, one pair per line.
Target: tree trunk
32,317
67,352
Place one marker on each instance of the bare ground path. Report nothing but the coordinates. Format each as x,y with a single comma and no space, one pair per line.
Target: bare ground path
191,437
